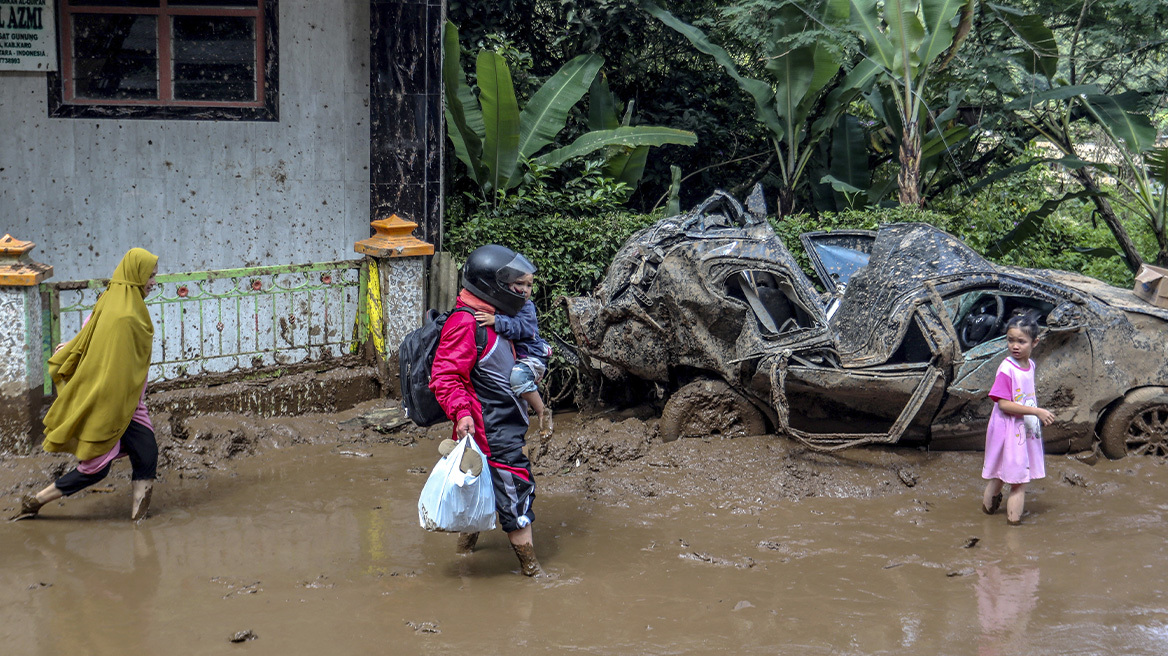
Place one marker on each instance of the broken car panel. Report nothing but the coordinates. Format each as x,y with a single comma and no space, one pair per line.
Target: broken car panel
903,348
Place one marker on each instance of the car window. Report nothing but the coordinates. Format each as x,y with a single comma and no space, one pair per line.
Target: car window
914,347
771,299
980,316
837,255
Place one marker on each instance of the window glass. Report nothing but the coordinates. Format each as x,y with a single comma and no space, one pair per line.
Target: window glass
214,58
115,57
113,3
212,3
173,59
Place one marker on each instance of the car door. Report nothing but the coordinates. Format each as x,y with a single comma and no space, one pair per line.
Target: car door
835,403
961,421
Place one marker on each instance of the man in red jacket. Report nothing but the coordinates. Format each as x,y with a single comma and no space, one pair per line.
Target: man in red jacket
475,391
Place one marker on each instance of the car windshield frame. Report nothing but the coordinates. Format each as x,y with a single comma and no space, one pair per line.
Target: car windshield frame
836,255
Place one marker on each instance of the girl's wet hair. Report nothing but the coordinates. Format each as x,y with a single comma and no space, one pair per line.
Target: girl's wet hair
1026,322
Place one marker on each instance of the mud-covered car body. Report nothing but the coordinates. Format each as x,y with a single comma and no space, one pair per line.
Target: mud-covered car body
906,351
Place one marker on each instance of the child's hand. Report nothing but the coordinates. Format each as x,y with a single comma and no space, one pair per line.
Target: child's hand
484,318
1045,416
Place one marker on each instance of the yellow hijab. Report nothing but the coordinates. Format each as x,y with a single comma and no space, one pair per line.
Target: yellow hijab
100,372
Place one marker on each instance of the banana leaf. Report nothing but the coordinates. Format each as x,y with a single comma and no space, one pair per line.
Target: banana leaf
628,165
1057,93
939,143
546,113
866,20
622,136
501,119
1040,54
1031,224
462,110
1136,130
602,114
849,155
760,91
939,28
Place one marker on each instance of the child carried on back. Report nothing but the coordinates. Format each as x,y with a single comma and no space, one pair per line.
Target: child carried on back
531,351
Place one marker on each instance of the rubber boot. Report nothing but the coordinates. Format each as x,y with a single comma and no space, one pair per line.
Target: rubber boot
466,543
142,492
29,507
527,559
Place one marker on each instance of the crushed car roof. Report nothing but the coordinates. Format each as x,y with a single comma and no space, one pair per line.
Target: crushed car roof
904,256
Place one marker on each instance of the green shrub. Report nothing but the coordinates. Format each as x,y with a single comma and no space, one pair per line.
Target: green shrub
570,232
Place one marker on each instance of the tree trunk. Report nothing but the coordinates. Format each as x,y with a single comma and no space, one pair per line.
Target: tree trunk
909,179
786,202
1130,254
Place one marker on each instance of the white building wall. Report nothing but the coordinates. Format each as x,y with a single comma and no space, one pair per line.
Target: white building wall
201,194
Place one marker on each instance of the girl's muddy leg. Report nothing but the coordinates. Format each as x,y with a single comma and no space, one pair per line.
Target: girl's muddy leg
50,493
31,504
1015,503
525,550
142,491
991,499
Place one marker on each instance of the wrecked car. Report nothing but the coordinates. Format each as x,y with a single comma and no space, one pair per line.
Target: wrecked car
900,345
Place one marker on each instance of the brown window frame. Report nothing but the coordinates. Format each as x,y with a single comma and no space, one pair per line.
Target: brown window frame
63,102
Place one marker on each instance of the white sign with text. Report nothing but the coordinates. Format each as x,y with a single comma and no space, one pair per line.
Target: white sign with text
28,35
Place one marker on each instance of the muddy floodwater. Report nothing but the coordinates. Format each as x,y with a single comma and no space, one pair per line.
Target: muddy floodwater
307,537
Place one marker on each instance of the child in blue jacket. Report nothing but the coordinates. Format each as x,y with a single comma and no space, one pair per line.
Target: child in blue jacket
531,351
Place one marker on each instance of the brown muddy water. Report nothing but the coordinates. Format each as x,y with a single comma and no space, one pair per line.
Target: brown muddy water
748,545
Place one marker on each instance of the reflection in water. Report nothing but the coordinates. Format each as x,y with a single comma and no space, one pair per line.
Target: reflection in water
1005,600
104,600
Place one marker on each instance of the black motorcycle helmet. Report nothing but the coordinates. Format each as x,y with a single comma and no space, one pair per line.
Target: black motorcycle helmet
489,272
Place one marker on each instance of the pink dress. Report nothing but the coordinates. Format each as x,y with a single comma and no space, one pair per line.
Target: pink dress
1013,454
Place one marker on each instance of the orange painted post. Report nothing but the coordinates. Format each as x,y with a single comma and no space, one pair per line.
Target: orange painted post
396,293
16,268
21,345
394,238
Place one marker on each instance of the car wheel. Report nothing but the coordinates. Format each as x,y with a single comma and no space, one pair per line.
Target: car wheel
709,407
1138,426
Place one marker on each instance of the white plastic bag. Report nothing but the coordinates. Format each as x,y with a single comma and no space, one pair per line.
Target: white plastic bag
455,501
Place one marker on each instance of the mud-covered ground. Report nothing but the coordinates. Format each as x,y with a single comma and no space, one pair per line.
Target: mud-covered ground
300,536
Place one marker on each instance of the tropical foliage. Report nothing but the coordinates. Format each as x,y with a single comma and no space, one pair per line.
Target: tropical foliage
494,139
802,62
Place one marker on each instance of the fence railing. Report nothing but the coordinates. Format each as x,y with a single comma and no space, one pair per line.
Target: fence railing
233,319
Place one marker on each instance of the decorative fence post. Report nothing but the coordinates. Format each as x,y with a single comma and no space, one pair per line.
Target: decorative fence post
396,280
22,374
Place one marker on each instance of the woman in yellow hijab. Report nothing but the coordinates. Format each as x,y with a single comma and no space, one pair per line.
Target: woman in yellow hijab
100,411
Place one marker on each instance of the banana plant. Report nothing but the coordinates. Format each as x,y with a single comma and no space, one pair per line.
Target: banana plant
493,137
904,40
1146,192
622,163
800,77
1052,113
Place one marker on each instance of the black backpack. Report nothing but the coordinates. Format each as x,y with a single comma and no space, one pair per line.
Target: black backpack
416,358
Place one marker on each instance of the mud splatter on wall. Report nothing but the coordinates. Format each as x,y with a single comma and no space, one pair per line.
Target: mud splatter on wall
21,369
204,194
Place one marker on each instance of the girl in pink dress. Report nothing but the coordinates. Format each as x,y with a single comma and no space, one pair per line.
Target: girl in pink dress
1013,452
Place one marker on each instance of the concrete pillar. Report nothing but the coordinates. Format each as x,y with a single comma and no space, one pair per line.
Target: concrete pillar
22,374
406,133
397,282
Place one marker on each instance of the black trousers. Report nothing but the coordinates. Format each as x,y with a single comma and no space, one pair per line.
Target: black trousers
138,443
